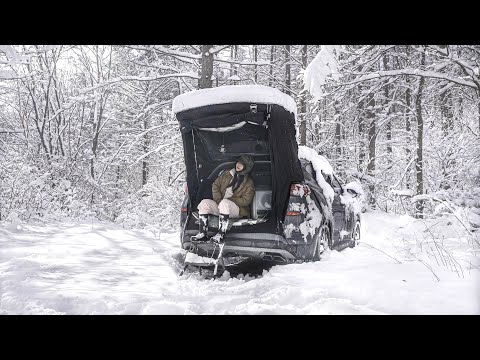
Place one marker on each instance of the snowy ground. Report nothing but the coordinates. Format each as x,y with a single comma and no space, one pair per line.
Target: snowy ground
99,268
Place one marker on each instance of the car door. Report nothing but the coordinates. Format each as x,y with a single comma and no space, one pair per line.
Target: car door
338,209
340,227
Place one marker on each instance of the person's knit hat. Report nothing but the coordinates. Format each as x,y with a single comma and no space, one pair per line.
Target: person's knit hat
247,162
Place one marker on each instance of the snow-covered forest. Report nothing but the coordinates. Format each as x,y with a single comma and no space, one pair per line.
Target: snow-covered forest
88,133
88,130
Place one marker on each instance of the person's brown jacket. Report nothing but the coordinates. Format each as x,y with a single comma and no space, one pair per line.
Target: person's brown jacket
242,196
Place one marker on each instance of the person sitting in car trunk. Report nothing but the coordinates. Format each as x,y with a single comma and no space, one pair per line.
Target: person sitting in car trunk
233,193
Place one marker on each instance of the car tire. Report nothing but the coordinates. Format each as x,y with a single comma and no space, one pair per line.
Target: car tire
356,235
324,242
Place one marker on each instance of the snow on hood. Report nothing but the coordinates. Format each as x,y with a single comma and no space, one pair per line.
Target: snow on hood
320,164
231,94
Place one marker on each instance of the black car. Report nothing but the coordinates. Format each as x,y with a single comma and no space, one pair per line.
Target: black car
295,215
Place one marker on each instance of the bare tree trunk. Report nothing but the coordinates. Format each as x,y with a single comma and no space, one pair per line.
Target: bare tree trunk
205,80
446,106
272,52
361,131
338,149
287,70
36,119
408,130
419,206
446,111
255,54
325,112
57,97
235,57
371,146
389,123
145,150
231,58
97,122
478,106
97,116
338,138
447,120
303,103
117,181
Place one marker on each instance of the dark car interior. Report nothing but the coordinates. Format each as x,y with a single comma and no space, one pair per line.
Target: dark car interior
225,145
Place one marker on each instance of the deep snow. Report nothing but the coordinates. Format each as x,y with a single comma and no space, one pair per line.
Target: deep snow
100,268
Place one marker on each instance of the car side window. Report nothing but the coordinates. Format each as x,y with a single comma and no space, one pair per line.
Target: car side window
336,185
309,172
328,179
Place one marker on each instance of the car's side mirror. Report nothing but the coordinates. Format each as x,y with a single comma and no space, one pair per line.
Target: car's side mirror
352,192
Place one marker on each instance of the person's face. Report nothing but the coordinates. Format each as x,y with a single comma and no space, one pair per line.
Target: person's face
239,166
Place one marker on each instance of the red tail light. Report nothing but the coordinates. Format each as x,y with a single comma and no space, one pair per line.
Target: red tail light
299,190
293,213
185,209
295,189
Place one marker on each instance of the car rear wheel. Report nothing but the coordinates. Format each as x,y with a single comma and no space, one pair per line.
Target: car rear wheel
355,235
324,242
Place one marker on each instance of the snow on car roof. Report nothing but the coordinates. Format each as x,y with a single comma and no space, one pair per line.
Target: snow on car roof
232,94
319,162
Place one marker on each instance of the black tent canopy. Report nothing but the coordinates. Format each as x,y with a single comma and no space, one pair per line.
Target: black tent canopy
214,133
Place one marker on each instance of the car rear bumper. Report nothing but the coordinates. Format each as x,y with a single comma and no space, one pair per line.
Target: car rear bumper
264,246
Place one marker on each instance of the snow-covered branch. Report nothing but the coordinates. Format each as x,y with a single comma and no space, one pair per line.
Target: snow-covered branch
412,72
191,75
